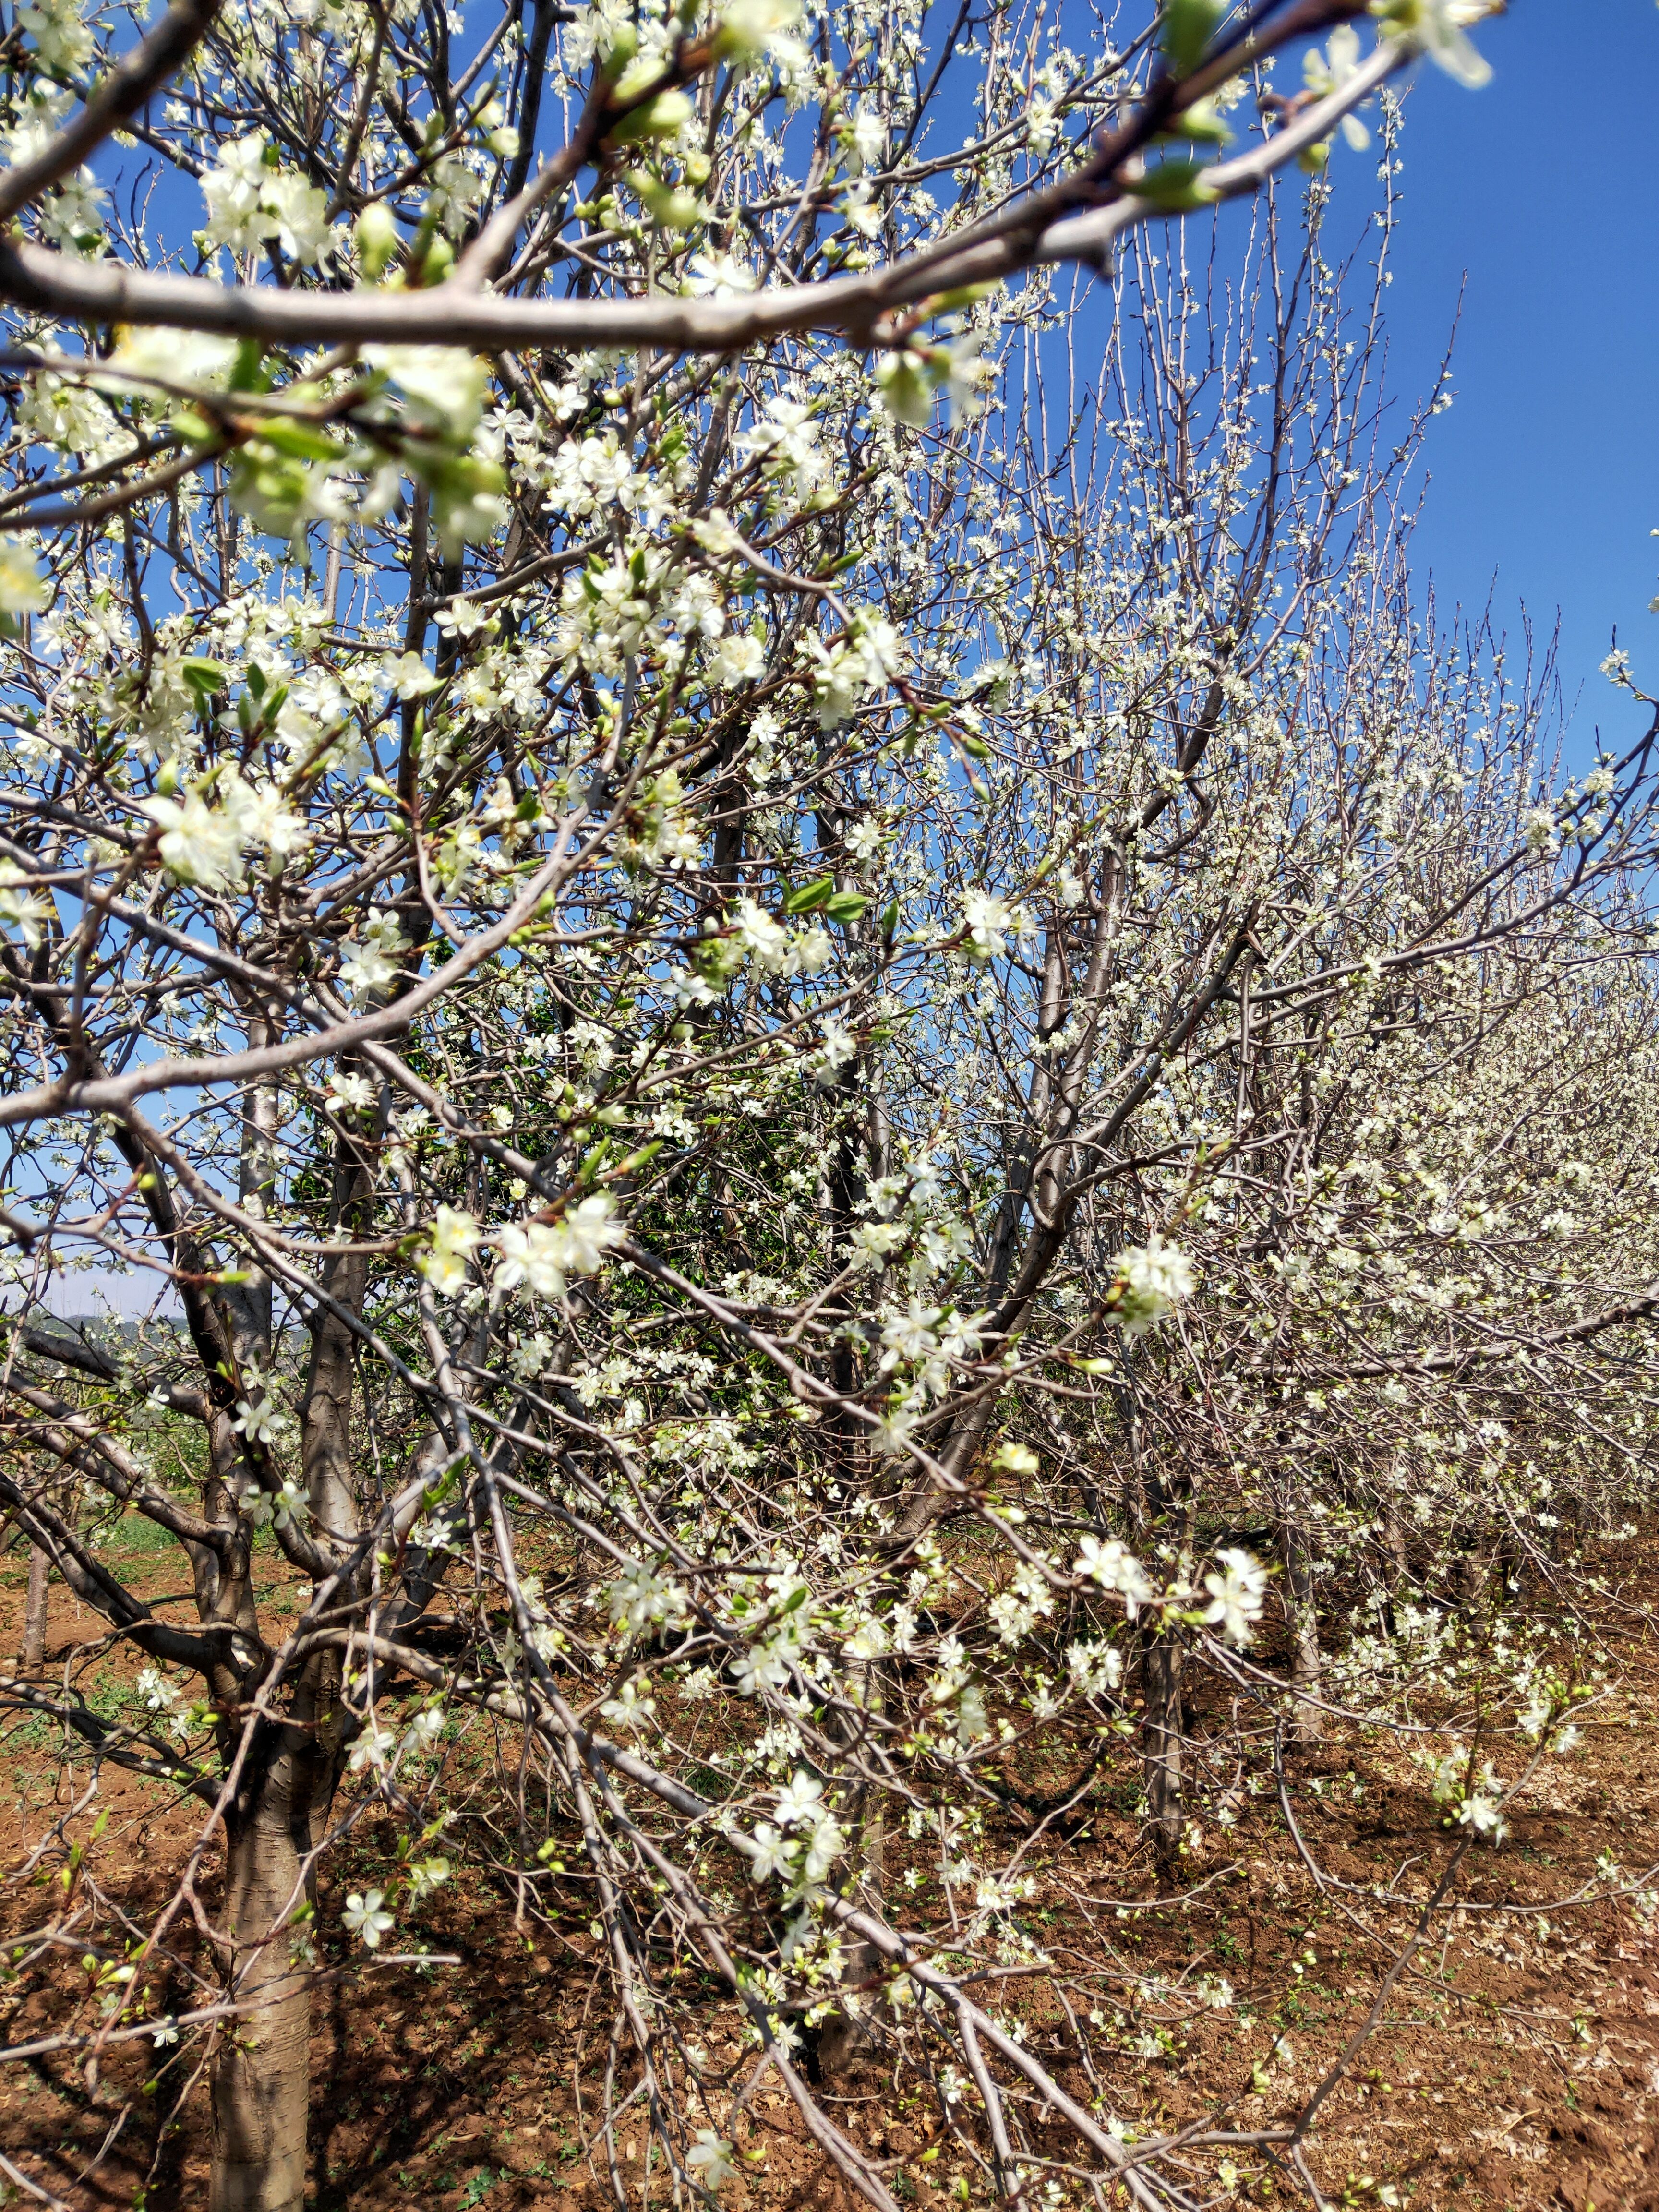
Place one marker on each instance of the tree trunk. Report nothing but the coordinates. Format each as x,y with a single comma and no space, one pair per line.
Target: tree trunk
1466,1580
848,2033
261,2085
1162,1730
1393,1566
1509,1560
1308,1725
34,1611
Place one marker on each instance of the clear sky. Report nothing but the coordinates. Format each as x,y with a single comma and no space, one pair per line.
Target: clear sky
1543,190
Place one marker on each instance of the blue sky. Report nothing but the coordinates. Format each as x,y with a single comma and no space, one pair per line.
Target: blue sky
1543,192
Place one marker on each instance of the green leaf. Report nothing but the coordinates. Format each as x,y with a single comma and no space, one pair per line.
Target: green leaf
674,209
247,372
594,1159
623,47
846,906
889,921
1177,187
204,677
638,1161
964,295
1189,27
806,898
435,1492
661,118
1202,125
298,442
376,234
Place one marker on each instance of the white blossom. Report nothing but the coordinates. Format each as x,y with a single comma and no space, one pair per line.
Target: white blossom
1115,1568
1149,1281
1438,26
711,2159
1235,1595
366,1918
455,1235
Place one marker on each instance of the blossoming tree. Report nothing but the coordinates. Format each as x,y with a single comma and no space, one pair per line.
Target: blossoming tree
677,901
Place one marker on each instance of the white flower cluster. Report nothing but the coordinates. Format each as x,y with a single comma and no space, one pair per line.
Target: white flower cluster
804,1845
30,913
641,1600
252,199
72,214
454,1237
1235,1595
160,1694
542,1256
854,667
776,950
539,1256
1473,1802
205,833
1148,1282
1114,1567
988,923
372,963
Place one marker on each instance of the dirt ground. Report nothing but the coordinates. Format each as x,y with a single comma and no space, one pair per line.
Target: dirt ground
1517,2064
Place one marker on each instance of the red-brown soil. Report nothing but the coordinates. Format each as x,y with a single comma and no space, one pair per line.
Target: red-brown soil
1517,2064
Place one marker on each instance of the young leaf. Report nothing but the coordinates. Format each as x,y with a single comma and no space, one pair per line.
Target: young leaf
1189,27
204,677
1176,187
661,118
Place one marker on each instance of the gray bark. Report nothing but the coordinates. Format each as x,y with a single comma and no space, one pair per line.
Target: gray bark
1161,1668
35,1612
261,2082
847,2034
1308,1724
